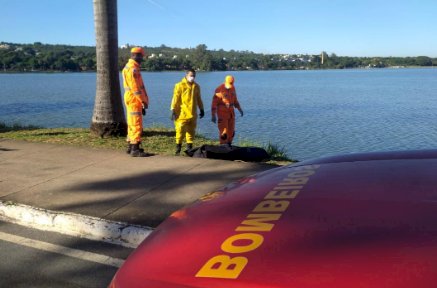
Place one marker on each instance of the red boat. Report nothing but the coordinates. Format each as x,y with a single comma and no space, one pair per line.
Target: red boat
359,220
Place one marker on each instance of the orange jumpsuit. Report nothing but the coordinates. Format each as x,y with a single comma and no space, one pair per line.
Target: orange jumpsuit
223,103
134,96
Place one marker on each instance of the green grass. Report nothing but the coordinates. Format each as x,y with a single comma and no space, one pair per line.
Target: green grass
156,140
277,153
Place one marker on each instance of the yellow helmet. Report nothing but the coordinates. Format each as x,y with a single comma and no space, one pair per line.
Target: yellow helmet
137,50
229,81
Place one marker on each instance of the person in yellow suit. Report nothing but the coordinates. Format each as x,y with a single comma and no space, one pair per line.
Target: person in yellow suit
223,103
136,101
186,99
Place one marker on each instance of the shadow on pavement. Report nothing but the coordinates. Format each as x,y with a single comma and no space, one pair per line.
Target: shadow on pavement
146,198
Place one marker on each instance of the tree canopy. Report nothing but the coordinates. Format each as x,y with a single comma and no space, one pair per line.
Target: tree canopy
44,57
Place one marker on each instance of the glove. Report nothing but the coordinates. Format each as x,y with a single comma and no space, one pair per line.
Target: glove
213,119
173,116
143,109
241,112
202,113
145,106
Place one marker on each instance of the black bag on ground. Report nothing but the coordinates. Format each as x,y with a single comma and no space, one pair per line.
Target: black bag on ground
224,152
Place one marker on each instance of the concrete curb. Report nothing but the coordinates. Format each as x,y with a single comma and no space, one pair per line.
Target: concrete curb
74,224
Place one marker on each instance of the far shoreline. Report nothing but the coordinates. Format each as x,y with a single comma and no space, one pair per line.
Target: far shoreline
228,71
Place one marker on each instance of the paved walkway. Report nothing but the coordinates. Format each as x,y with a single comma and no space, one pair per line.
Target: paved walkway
108,185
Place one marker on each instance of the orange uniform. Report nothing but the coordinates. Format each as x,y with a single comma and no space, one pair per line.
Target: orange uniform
135,96
223,103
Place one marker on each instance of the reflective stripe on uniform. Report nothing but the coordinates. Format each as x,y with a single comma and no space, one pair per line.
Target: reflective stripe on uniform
135,113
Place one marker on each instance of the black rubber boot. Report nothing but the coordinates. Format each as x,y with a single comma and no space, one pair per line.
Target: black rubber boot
135,152
139,147
128,148
178,149
189,148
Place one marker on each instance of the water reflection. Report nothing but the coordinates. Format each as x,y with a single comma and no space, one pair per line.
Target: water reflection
309,113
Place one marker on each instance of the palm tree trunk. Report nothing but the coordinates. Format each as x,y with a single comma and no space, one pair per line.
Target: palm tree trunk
108,116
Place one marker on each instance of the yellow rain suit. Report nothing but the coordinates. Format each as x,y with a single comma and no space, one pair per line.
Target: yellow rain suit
135,96
186,99
223,103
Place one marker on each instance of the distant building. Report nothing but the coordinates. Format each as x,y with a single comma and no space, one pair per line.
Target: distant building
5,46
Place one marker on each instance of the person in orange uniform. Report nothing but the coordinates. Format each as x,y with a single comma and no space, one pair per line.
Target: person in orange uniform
186,99
136,101
223,103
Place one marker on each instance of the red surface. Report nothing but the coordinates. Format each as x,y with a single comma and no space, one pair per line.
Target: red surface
355,223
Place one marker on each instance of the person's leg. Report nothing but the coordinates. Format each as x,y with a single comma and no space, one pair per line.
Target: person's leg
190,133
135,131
231,130
179,128
222,124
134,125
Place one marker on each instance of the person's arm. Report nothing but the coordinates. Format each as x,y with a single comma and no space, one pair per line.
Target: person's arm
144,96
237,104
200,103
214,103
175,103
136,86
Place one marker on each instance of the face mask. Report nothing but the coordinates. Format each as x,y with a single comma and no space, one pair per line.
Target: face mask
138,58
190,79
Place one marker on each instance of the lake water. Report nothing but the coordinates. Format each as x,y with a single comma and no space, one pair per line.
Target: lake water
308,113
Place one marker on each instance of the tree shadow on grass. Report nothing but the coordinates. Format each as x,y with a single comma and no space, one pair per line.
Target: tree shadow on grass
50,133
159,133
6,149
16,127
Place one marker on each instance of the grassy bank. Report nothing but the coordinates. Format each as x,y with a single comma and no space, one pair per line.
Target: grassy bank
156,140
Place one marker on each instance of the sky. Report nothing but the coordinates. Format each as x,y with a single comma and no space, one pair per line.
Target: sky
362,28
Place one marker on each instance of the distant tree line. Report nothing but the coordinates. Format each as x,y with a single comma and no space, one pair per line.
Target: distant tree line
45,57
